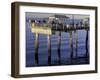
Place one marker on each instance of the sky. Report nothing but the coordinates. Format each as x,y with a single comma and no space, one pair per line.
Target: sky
46,15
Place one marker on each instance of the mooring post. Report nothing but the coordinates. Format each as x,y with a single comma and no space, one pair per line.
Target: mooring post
59,44
71,44
86,44
49,49
36,47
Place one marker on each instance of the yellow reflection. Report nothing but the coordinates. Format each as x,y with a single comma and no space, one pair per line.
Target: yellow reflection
41,29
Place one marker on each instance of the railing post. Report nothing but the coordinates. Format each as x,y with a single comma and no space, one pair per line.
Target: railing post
59,44
36,48
49,49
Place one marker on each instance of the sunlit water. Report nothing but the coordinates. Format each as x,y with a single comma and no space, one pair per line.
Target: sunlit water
65,49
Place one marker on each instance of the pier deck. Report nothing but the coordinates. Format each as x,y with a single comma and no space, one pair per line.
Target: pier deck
49,30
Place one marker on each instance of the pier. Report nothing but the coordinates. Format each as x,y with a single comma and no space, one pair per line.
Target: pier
49,31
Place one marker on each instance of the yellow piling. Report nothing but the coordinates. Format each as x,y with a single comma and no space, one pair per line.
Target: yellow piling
49,49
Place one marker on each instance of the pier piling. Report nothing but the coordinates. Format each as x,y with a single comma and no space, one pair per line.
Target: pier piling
59,45
71,44
86,44
36,47
76,43
49,49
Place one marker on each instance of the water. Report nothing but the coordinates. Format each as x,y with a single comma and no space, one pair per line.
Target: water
65,59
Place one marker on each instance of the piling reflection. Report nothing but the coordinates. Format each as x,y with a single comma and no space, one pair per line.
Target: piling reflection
36,48
59,45
71,46
72,58
86,45
49,49
76,43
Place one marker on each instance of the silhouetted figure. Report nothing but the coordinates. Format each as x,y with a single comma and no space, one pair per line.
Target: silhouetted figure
77,25
33,24
71,25
44,23
32,21
39,23
53,24
81,24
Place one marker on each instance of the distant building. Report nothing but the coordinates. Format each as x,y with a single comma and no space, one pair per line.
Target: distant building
58,18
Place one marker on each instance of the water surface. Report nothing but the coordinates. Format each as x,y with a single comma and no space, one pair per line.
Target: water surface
65,49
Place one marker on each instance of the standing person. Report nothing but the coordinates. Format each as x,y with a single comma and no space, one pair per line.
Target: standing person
44,23
33,23
81,24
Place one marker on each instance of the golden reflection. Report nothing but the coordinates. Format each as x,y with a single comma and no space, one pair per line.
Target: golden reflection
41,29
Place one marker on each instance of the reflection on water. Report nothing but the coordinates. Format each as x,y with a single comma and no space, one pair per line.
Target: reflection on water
65,48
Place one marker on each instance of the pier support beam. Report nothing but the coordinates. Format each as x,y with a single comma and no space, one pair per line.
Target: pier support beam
49,49
59,44
36,47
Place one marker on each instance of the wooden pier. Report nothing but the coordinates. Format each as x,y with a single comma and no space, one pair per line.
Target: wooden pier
48,31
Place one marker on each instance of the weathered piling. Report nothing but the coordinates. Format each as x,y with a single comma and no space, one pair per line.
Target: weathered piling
76,43
36,47
86,44
49,49
59,44
71,44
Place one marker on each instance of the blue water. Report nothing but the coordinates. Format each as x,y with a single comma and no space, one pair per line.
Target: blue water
65,49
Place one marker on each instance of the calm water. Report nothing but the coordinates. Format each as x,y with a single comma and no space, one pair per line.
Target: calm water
65,49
